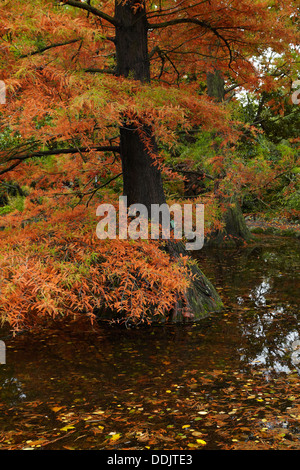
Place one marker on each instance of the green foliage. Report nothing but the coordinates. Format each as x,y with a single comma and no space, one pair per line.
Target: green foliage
9,139
293,201
203,148
5,210
15,203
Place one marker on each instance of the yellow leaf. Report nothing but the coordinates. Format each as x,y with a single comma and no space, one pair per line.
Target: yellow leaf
200,441
115,437
67,428
89,417
36,443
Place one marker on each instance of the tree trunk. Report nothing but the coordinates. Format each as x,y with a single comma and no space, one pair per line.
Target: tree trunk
132,40
235,230
215,85
142,182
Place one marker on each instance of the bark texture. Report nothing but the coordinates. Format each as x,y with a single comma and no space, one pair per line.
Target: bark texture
132,41
142,182
235,230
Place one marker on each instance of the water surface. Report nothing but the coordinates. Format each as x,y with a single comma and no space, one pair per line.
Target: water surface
228,382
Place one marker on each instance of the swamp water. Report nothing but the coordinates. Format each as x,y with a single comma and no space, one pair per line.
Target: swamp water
229,382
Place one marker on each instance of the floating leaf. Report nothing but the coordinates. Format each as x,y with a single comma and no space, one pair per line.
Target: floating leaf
56,408
67,428
197,434
201,442
115,437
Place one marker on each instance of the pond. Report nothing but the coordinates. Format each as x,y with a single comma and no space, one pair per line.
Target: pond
228,382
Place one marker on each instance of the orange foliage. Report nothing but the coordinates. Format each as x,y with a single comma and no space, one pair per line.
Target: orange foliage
57,60
67,272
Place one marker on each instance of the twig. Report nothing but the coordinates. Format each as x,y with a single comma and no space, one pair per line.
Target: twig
58,438
93,192
43,49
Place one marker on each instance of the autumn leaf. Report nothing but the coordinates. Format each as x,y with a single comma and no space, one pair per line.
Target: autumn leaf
67,428
115,437
57,408
201,442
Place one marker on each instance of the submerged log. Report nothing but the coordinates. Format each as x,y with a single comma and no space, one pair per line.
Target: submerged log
201,297
235,230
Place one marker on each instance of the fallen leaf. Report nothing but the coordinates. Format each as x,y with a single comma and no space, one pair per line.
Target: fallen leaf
56,408
98,412
115,437
197,434
200,441
67,428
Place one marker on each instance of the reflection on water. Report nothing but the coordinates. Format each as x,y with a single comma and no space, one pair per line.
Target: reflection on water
265,282
11,390
258,294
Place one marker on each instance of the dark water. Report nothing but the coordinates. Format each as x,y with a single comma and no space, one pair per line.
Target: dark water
228,382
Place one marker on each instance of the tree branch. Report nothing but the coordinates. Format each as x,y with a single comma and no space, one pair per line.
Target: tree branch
197,22
93,10
11,167
233,87
93,192
44,153
43,49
